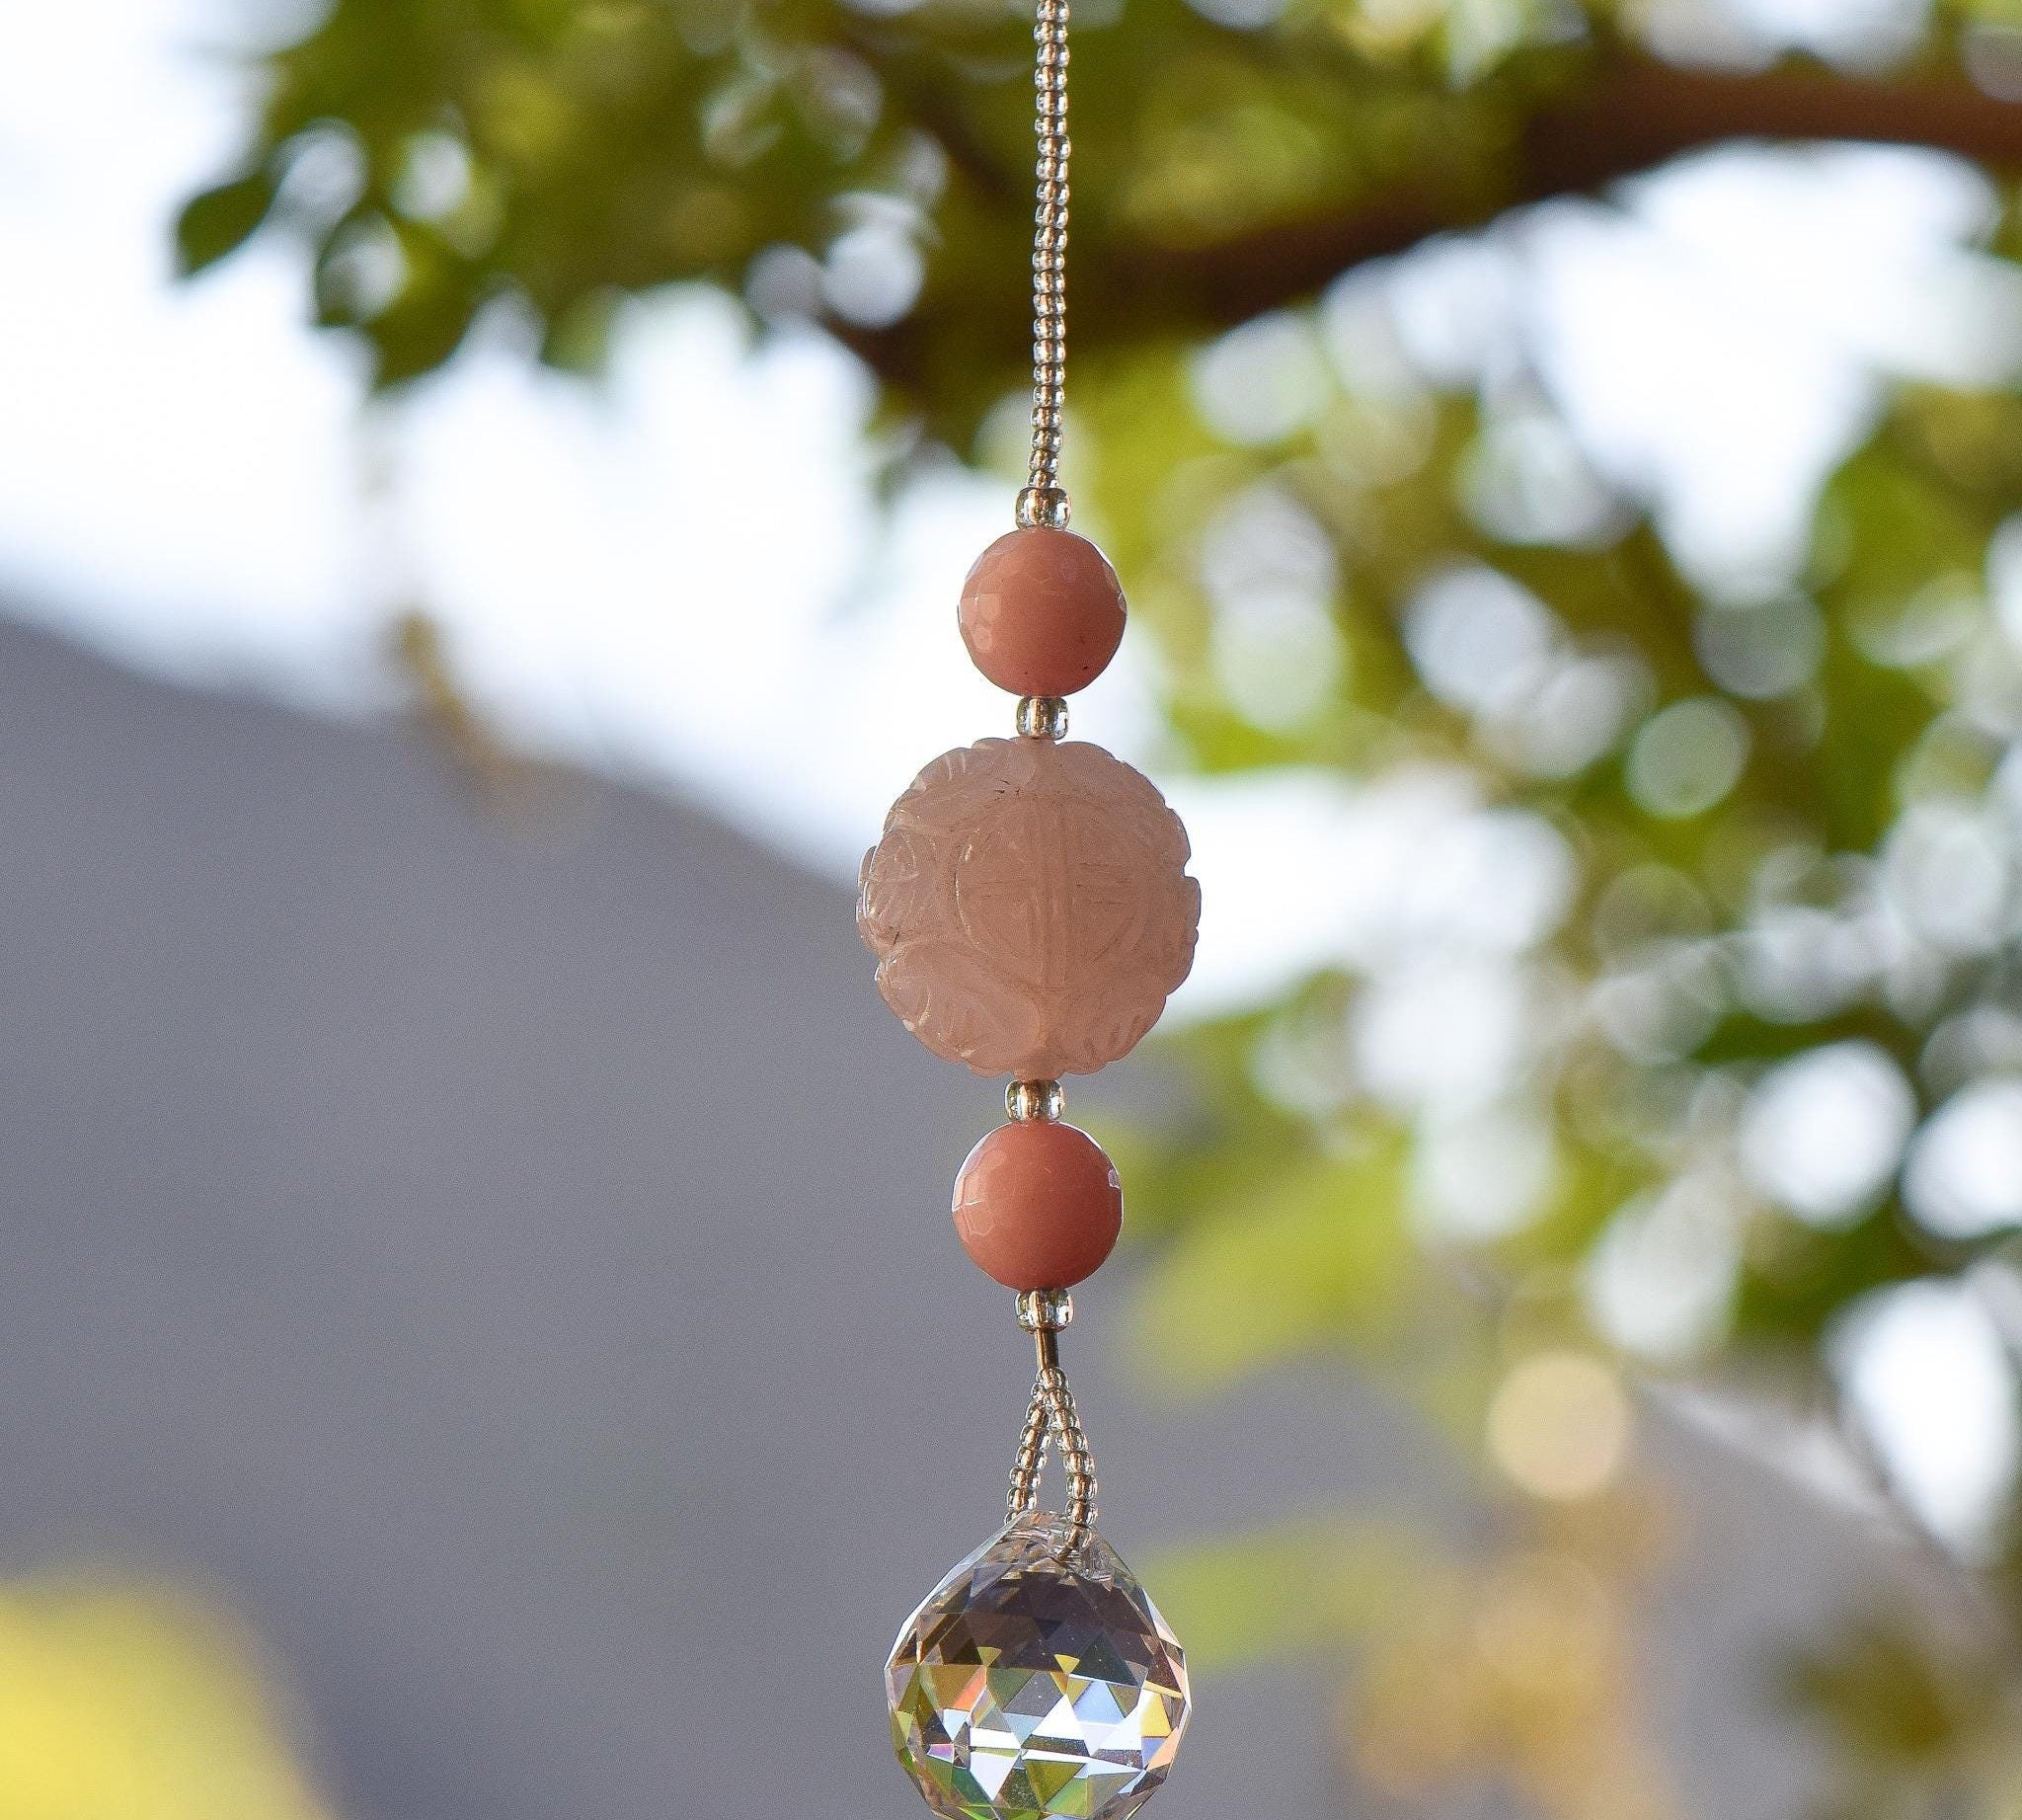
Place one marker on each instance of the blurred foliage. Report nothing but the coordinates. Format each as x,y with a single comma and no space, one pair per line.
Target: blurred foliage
1711,895
125,1704
1921,1720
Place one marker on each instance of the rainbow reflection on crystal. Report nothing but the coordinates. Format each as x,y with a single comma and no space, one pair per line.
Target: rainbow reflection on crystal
1037,1679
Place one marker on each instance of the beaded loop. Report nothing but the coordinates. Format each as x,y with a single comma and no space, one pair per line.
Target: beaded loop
1051,1418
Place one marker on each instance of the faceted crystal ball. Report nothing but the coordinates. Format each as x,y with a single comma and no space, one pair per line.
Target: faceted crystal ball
1035,1682
1030,907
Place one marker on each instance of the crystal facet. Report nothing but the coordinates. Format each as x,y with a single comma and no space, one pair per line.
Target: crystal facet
1037,1679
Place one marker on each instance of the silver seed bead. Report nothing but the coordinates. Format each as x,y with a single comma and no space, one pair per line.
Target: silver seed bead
1028,1100
1042,717
1042,507
1045,1311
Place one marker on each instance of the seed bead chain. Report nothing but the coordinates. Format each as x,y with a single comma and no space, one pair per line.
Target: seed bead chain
1043,502
1038,1202
1075,1456
1030,1461
1051,1415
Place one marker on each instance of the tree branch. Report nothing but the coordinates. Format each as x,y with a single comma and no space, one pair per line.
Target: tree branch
1639,113
1633,114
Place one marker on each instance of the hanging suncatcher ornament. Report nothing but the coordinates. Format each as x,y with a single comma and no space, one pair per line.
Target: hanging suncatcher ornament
1031,912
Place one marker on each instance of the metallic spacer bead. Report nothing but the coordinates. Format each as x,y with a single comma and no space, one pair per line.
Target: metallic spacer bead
1042,507
1042,717
1026,1100
1045,1311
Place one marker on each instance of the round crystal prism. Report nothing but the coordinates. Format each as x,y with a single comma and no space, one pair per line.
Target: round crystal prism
1037,1679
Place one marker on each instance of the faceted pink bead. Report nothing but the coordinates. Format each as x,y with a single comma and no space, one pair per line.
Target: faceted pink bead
1030,907
1039,1206
1041,612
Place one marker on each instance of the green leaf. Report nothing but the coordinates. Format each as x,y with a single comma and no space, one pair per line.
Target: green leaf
220,221
579,340
1278,1592
1309,1251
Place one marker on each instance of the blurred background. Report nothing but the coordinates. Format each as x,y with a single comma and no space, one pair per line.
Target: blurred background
483,489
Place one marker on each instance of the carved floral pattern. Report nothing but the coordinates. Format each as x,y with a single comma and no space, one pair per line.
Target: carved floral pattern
1030,907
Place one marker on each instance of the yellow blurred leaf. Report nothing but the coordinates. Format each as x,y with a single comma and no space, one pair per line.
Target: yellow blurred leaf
127,1703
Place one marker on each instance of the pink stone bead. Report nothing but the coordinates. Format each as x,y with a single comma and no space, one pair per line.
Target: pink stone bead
1039,1206
1030,907
1041,612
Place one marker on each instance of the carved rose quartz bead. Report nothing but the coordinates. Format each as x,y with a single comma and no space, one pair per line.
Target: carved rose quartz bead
1030,907
1038,1205
1041,612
